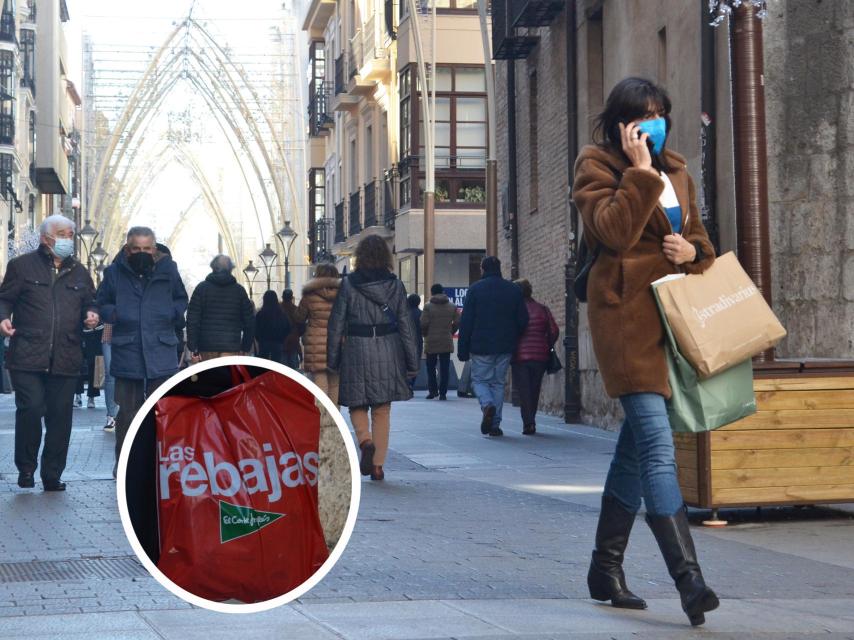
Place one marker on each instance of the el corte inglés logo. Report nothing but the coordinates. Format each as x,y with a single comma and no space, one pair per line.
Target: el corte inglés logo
236,521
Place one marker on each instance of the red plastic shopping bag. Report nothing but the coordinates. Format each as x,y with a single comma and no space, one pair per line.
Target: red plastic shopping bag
237,489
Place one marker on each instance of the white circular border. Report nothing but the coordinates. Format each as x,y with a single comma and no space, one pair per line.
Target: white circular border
355,495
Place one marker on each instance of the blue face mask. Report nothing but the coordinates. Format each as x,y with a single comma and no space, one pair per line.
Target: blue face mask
63,247
657,130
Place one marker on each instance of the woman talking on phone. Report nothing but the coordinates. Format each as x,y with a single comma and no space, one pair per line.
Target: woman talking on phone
641,222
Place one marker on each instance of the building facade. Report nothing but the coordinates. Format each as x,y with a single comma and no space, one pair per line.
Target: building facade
809,50
40,160
365,148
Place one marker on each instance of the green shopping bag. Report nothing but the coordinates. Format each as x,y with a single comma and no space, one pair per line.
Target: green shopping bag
702,405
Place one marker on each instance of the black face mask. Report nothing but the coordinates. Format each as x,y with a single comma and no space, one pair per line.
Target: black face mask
142,263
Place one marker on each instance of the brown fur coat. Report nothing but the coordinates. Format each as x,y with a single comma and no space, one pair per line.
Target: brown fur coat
621,213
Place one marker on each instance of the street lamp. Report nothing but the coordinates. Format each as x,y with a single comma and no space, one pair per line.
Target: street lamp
251,272
268,257
100,257
287,237
87,236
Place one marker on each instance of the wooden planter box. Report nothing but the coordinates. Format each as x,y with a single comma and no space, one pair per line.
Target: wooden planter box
797,449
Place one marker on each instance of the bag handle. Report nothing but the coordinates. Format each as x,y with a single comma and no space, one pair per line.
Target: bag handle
239,374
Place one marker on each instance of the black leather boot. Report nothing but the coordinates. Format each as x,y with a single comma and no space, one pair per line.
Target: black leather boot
605,579
677,547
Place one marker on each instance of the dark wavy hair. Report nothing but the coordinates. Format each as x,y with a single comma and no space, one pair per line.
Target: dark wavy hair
631,99
372,252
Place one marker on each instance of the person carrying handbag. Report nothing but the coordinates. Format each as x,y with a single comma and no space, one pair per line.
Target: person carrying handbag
532,355
639,207
371,344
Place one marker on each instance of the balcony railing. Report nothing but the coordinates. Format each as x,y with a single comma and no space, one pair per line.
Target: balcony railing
355,53
319,115
372,39
31,16
339,222
388,203
536,13
8,32
7,129
340,74
355,213
371,202
506,44
27,80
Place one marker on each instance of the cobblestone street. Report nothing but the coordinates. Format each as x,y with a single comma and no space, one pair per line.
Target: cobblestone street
468,537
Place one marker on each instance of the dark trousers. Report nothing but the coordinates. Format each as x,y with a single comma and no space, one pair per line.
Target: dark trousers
444,360
37,396
130,395
528,377
274,351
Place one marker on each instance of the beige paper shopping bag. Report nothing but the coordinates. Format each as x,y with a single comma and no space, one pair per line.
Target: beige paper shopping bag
719,318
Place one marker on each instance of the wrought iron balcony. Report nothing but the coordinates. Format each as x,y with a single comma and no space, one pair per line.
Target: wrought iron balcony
339,222
536,13
355,213
7,129
371,202
319,113
8,31
340,73
506,44
389,211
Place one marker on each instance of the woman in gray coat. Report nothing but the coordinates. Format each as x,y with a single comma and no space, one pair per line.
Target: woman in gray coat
371,343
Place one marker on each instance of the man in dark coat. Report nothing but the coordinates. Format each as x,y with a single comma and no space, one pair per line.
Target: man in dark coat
220,321
143,297
493,318
46,299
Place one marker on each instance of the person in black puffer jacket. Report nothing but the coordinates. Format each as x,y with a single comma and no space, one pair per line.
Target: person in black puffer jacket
219,319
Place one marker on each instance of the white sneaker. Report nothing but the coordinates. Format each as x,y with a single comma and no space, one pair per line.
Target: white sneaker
78,400
91,403
110,427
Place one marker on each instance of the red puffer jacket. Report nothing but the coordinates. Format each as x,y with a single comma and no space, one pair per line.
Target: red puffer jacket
539,336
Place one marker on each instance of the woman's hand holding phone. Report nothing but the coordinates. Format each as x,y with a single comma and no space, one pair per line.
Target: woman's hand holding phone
635,147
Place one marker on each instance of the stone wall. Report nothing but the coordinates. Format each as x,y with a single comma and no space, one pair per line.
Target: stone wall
809,70
809,60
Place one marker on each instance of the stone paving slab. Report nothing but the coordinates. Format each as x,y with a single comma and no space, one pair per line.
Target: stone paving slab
469,537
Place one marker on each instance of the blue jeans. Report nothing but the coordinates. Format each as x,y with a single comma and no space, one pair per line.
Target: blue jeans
109,382
644,463
488,374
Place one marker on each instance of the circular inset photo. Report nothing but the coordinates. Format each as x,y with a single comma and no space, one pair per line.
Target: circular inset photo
238,484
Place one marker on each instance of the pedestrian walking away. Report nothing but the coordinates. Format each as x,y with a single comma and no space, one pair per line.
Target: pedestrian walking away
293,353
143,297
494,316
639,207
46,300
532,355
315,307
220,321
271,329
371,344
413,302
438,324
109,380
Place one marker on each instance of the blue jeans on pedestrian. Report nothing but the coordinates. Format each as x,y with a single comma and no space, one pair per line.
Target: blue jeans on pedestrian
488,375
644,464
109,382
